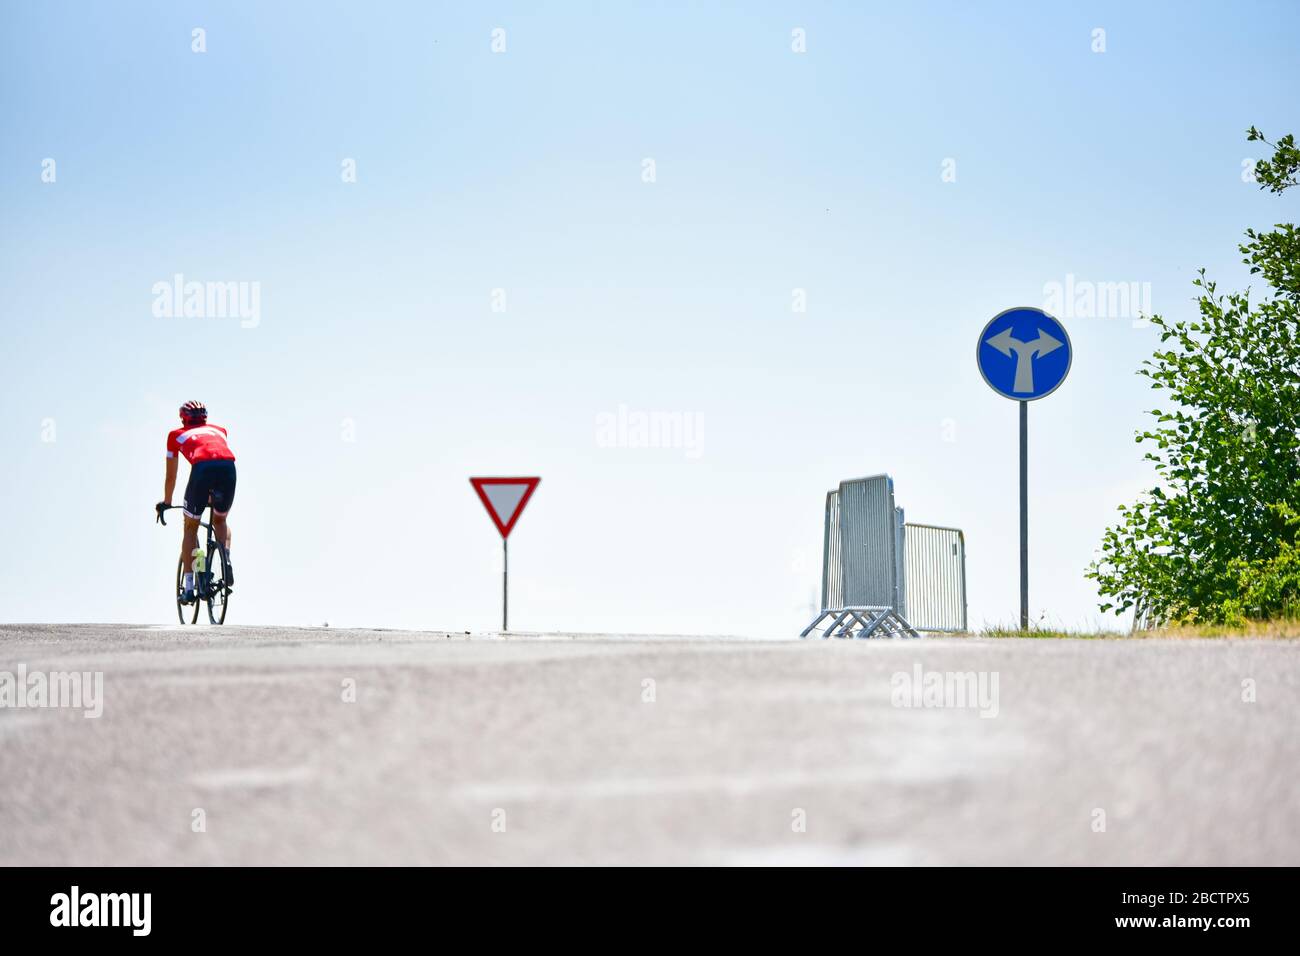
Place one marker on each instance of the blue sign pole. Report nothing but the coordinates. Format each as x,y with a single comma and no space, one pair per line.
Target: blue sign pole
1024,354
1024,515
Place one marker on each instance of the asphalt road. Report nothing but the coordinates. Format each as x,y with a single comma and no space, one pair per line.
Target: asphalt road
530,750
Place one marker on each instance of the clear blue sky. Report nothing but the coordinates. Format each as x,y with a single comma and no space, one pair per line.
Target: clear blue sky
522,171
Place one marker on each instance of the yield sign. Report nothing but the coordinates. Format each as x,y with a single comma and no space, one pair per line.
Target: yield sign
504,499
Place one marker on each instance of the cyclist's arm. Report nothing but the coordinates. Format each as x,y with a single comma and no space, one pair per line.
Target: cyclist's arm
169,485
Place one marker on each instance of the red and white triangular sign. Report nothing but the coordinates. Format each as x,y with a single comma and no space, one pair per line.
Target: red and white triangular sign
504,499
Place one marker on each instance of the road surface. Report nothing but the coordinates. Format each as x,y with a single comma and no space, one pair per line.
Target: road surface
244,745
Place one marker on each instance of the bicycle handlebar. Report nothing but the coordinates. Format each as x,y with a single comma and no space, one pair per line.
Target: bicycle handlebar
159,509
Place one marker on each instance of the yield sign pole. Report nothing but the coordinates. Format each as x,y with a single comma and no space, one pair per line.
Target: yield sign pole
505,500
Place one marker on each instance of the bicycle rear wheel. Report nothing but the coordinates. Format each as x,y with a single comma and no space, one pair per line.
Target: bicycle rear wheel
180,587
218,593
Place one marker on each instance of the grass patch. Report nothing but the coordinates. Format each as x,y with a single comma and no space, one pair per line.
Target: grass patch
1037,631
1287,629
1266,630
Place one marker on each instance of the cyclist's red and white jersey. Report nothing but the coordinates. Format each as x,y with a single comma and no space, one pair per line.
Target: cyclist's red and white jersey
199,443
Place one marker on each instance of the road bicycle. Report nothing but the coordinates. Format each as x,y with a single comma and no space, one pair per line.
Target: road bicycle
211,577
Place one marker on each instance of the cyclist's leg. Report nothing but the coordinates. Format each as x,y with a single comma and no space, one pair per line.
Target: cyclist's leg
223,496
221,527
222,488
189,541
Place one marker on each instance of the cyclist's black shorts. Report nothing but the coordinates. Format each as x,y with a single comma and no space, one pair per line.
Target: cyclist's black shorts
212,478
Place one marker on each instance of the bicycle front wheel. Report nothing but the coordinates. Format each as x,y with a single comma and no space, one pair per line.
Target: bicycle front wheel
180,588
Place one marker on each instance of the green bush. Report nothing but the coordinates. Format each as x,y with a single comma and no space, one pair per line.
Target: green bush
1216,540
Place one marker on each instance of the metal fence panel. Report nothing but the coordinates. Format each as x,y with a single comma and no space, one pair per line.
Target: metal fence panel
900,562
935,559
868,542
832,569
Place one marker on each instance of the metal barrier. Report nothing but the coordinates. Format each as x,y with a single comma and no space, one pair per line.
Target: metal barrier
860,510
869,542
935,577
832,568
882,575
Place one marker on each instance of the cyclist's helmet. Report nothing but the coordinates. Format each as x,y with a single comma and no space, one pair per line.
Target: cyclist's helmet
193,413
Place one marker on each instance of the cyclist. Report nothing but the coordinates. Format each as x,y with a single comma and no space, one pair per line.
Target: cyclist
212,481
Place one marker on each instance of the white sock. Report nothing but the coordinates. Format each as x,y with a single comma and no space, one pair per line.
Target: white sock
189,580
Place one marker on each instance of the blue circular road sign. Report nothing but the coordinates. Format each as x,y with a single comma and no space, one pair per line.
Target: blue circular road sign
1024,354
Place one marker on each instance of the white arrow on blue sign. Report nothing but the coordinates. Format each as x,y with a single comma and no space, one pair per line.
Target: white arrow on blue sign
1024,354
